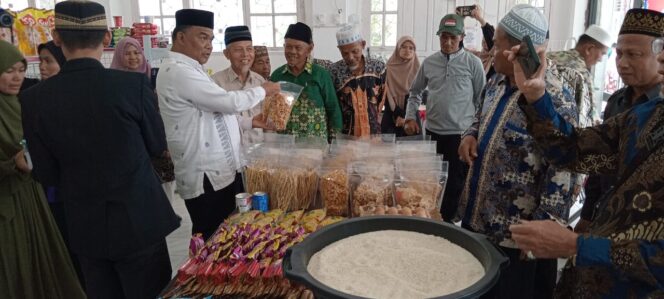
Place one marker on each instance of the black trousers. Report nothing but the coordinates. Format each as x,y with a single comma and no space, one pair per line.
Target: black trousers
524,279
448,146
143,274
211,208
58,212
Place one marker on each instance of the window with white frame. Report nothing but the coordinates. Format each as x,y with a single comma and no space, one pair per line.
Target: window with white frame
383,28
226,13
162,12
269,20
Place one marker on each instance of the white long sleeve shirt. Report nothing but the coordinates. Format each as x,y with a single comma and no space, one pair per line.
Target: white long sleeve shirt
201,127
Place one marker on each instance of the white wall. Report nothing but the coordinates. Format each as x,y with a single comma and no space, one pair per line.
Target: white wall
418,18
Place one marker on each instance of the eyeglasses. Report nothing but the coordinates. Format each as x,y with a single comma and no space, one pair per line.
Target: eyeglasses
657,45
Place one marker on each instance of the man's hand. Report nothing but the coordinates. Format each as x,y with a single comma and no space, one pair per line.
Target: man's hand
271,88
477,15
21,162
260,122
400,122
544,238
468,149
411,127
532,88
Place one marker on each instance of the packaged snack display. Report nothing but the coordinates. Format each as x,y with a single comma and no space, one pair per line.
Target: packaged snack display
277,109
333,189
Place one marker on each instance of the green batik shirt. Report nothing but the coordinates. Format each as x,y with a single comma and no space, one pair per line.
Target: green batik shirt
316,112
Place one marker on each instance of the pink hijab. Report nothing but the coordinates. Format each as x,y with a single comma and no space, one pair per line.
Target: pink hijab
120,48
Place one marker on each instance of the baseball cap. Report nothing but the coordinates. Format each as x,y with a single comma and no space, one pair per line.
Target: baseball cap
451,23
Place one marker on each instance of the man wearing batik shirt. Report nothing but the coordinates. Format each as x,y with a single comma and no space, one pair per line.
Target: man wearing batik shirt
622,255
637,67
508,180
593,44
360,85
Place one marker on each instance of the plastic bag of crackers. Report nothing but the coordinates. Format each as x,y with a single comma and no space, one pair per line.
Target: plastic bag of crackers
277,108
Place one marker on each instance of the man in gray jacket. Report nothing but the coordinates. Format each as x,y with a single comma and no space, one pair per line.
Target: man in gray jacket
455,79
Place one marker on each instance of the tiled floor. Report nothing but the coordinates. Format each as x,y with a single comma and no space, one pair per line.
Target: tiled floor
178,241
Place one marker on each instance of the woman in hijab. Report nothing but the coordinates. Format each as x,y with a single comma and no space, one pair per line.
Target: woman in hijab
51,59
35,263
401,70
129,57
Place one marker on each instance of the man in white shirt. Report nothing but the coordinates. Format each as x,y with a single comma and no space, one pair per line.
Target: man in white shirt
201,127
240,52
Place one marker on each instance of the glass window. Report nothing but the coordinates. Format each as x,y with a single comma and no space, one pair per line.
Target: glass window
376,30
390,35
280,26
262,31
162,12
269,20
260,6
285,6
391,5
610,18
169,7
226,13
376,5
383,28
169,25
149,7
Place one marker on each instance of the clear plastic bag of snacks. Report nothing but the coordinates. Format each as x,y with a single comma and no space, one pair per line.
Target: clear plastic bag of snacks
277,108
370,184
333,190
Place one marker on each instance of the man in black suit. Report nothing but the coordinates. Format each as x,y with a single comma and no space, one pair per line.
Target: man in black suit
91,133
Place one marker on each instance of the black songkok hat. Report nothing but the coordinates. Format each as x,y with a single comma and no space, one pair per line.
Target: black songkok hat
643,21
80,15
299,31
236,34
194,17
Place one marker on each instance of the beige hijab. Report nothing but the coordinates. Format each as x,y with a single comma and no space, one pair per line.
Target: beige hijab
400,74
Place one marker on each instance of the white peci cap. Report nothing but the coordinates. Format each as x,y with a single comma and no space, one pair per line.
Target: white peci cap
600,35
